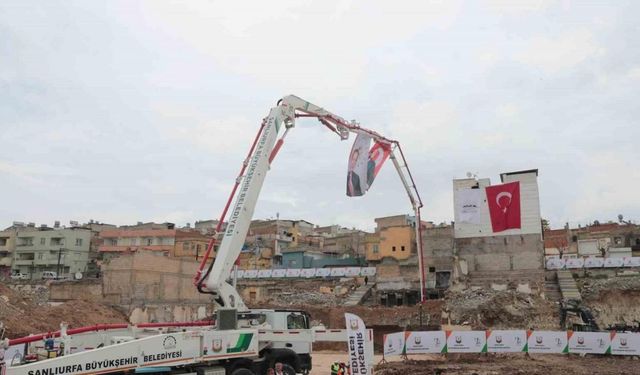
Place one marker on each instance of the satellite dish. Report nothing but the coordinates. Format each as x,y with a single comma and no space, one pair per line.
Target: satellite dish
469,174
620,217
78,276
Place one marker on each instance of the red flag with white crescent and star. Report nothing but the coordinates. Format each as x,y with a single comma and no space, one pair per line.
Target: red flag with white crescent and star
504,206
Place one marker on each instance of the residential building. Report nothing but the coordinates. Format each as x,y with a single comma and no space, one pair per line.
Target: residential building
597,239
93,267
208,227
7,248
398,242
394,221
169,242
61,250
351,243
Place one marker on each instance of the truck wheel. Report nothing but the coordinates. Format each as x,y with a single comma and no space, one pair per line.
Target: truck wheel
288,370
242,371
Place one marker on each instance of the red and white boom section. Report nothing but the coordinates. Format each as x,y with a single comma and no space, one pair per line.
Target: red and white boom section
264,148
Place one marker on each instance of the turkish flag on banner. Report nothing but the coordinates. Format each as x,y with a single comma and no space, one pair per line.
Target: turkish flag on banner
504,206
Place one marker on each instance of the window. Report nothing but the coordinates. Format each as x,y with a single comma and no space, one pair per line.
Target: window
43,241
185,246
393,248
618,240
40,255
78,241
402,248
297,321
376,249
149,241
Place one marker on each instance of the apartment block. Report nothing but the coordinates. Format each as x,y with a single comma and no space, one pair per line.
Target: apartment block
7,248
169,242
61,250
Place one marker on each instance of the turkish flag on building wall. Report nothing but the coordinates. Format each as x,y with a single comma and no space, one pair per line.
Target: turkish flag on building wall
504,206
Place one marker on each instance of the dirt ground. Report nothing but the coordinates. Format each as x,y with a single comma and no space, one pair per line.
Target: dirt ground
23,314
492,364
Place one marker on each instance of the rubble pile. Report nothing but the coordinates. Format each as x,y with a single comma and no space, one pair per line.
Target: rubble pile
613,301
26,313
593,287
488,308
38,293
317,293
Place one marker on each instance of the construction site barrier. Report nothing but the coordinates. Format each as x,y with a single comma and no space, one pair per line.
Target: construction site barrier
591,262
306,273
511,341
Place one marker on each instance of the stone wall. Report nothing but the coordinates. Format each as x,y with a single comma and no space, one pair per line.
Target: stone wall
154,288
496,253
146,277
66,291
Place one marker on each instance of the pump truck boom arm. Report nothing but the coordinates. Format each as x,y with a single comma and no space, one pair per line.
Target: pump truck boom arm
251,178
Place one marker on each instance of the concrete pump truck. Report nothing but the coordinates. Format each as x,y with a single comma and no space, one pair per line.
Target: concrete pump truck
238,340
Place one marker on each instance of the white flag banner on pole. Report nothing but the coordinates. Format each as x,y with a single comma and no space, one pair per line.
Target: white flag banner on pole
360,358
469,201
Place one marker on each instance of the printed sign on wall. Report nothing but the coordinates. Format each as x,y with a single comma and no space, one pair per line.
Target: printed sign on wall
352,271
574,263
338,272
501,341
250,274
425,342
613,262
264,274
546,342
323,272
626,343
308,272
632,262
589,342
368,271
593,262
293,272
555,264
394,343
281,272
466,341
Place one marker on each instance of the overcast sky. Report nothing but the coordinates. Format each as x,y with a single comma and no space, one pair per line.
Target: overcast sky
143,111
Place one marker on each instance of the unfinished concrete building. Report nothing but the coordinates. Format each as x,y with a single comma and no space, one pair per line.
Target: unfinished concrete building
509,257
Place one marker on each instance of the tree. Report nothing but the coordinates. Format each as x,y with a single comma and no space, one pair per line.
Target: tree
545,224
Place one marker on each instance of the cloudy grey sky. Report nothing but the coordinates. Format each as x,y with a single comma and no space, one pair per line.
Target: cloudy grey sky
127,111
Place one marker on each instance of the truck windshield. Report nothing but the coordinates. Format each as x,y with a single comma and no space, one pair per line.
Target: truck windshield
297,321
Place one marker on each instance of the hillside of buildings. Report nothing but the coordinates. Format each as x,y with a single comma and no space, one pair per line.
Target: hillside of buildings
474,277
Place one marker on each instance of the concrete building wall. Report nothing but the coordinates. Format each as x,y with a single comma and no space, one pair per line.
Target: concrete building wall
529,206
397,242
372,247
392,221
496,253
147,277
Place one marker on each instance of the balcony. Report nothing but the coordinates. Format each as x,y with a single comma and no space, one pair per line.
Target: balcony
23,262
120,249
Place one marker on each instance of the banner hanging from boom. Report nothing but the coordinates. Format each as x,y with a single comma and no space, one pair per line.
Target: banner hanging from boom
364,164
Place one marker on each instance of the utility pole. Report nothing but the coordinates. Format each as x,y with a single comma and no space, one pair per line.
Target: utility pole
58,266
